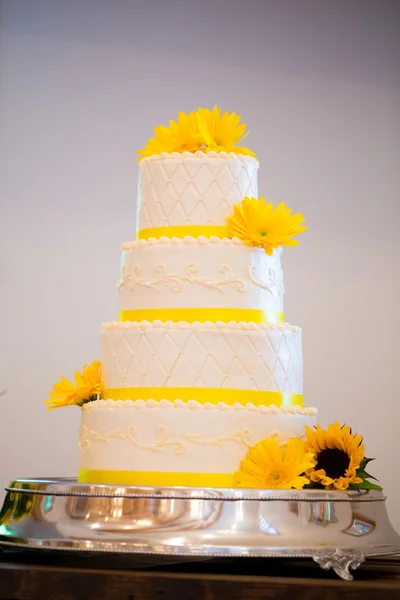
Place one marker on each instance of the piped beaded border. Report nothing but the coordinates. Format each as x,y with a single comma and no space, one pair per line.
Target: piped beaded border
232,325
199,154
188,239
194,405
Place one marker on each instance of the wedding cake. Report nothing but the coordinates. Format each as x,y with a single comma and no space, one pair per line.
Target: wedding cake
201,364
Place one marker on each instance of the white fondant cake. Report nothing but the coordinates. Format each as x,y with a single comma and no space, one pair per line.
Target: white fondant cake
200,365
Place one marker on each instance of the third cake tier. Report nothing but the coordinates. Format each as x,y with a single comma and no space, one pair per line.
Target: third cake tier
214,362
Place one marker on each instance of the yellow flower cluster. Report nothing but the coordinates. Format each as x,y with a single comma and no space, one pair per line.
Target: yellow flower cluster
88,386
331,459
258,224
269,465
206,130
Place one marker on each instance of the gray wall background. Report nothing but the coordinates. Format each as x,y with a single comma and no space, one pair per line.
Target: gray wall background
82,83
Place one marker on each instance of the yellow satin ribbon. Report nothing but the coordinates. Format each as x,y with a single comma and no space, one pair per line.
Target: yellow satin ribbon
156,478
181,230
203,314
203,395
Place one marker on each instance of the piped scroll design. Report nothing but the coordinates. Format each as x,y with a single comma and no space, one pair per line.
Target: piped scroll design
271,284
87,436
241,436
162,439
133,278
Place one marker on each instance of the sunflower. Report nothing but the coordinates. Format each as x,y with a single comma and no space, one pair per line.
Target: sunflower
180,136
259,224
269,465
222,132
88,386
339,453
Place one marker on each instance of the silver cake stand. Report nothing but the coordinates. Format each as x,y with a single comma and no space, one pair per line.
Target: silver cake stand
338,530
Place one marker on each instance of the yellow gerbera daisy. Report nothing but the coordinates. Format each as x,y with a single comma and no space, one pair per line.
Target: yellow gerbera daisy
269,465
338,455
88,386
180,136
259,224
222,132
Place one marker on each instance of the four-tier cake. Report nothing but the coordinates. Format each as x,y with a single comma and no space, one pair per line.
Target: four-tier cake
201,364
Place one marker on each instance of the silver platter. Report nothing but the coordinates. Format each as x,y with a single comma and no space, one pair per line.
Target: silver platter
337,529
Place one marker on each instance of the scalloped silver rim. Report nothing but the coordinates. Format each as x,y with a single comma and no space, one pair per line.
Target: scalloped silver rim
190,493
110,547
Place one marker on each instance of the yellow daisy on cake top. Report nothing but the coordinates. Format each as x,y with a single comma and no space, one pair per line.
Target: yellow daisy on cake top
258,224
205,130
222,131
88,386
271,466
180,136
338,456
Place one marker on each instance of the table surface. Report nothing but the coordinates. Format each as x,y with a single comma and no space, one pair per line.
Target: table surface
38,575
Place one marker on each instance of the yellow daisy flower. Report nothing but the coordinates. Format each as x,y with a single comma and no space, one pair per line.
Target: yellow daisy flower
271,466
206,130
180,136
259,224
88,386
222,132
338,455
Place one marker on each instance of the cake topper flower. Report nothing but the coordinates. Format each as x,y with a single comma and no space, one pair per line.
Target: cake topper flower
257,223
269,465
205,130
180,136
222,131
88,387
339,459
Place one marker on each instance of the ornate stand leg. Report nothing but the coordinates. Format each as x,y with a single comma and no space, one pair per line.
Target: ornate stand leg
341,562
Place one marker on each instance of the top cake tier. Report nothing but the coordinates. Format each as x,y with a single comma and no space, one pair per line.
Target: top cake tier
196,190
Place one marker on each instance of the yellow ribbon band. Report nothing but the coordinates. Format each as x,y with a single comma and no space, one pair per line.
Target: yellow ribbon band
181,230
203,395
156,478
203,314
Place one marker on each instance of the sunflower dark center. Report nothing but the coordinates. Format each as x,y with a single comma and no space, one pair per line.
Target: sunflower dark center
263,232
333,461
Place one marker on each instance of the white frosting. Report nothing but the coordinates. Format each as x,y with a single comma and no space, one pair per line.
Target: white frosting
143,434
155,439
167,275
234,356
193,189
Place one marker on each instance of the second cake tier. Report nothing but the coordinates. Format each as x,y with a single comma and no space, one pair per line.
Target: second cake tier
208,362
199,279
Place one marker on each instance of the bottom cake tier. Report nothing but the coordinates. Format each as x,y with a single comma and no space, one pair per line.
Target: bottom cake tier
177,443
